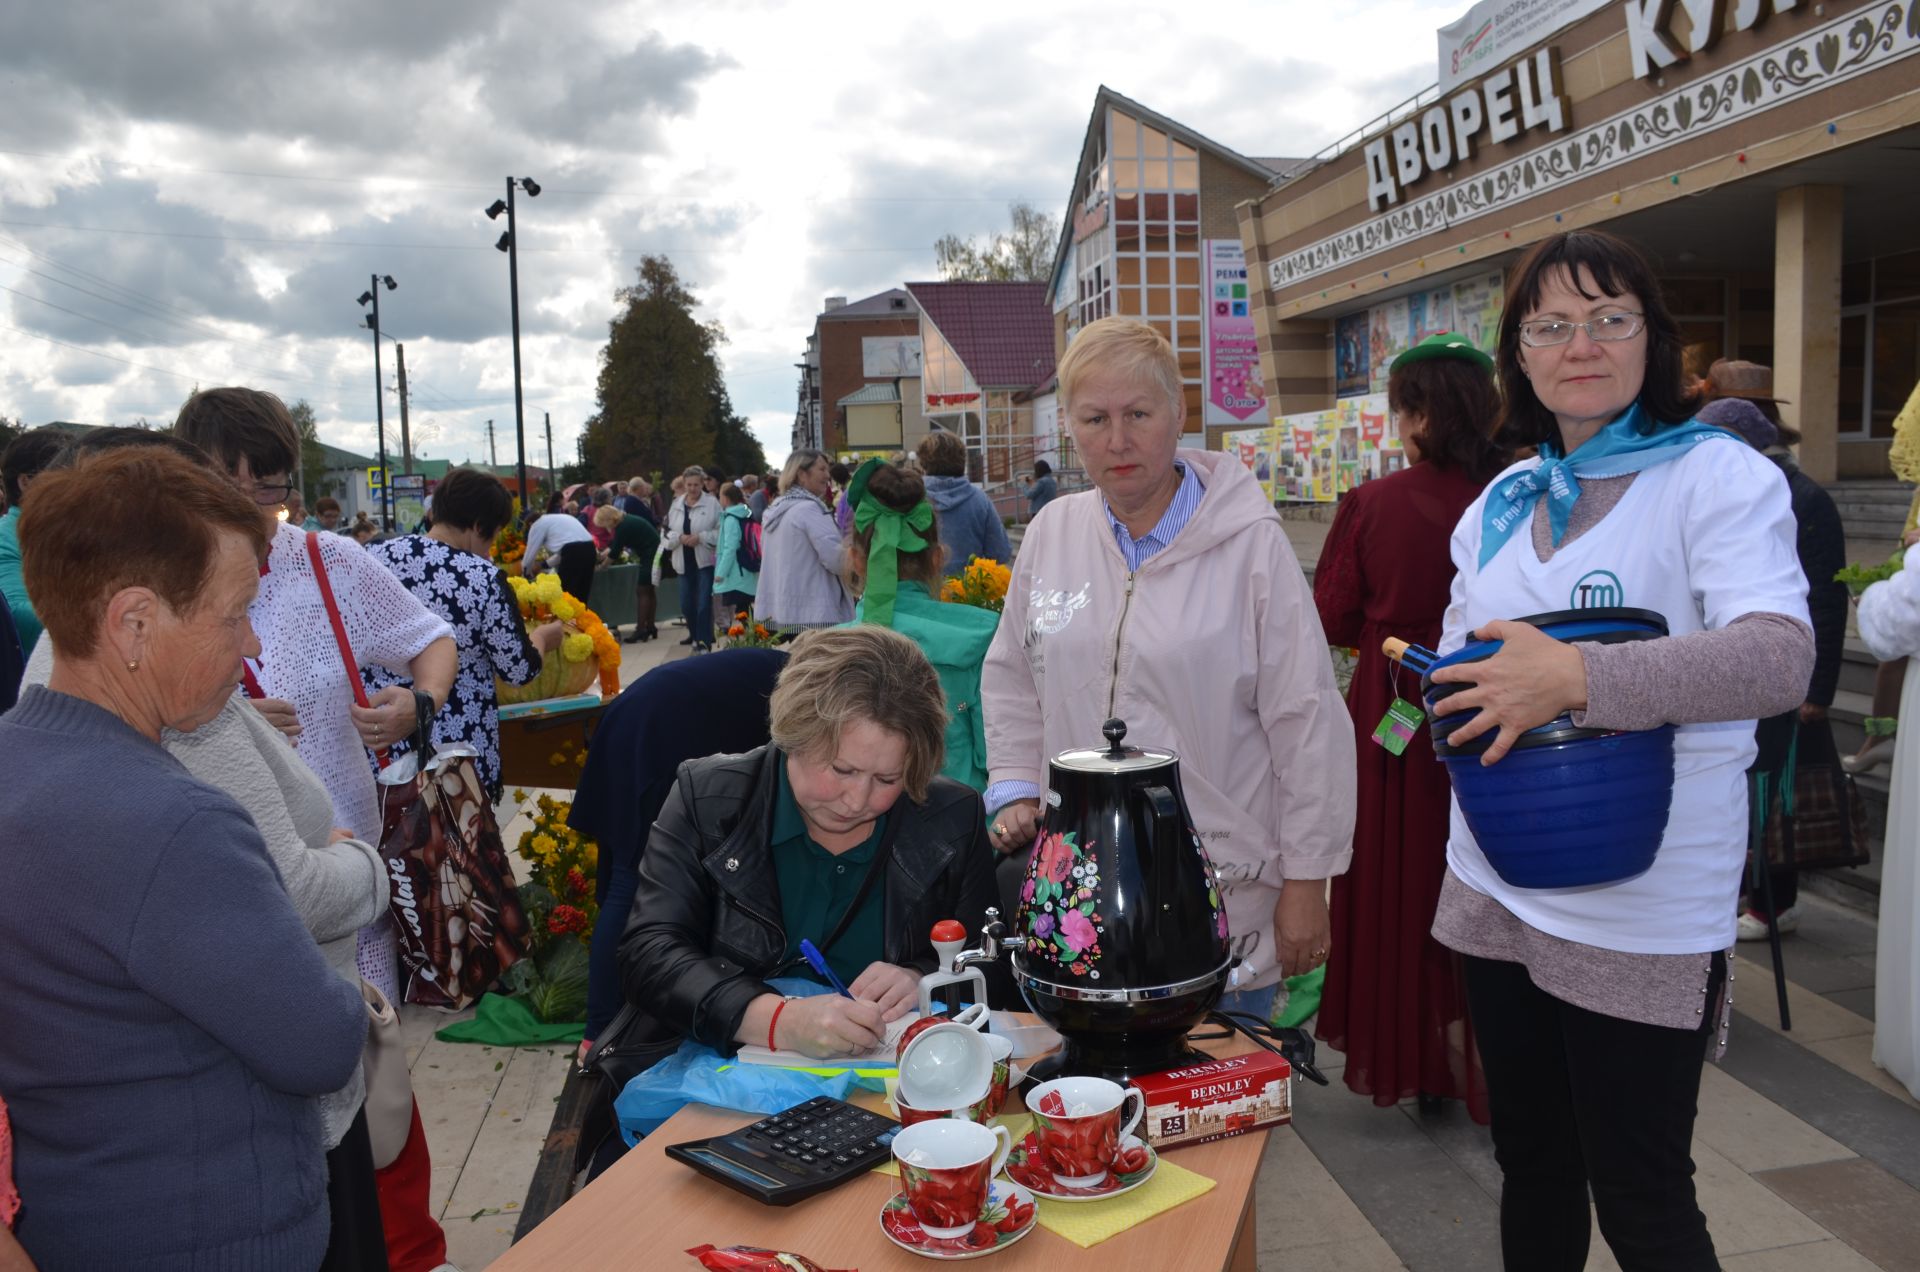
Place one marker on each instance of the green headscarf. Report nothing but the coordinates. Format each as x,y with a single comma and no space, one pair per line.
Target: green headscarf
894,532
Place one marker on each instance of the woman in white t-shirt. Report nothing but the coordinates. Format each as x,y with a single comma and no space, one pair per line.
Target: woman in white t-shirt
1594,1007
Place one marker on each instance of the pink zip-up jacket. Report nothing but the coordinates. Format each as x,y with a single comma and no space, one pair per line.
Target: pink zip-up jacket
1213,650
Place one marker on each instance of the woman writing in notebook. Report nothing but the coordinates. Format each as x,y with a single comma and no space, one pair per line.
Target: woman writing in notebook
808,838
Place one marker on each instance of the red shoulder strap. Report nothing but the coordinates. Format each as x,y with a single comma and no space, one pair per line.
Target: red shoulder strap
253,686
333,616
339,628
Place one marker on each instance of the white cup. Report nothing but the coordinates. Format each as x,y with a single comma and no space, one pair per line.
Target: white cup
948,1065
946,1171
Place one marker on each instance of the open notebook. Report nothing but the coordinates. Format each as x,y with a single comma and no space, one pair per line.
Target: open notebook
881,1057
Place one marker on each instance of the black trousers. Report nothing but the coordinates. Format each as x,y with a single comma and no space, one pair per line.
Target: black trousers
1585,1102
355,1241
574,565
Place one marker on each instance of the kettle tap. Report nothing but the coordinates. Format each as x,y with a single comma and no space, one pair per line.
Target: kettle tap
994,942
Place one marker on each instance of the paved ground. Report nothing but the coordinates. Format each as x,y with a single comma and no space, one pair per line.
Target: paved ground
1808,1156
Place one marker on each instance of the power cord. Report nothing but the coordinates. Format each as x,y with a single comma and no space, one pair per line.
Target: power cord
1296,1045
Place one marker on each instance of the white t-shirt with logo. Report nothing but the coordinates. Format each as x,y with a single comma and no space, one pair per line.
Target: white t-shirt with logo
1702,540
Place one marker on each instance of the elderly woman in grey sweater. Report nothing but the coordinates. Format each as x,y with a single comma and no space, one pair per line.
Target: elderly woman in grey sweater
336,882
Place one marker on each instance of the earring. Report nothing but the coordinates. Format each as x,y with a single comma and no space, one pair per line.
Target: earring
134,665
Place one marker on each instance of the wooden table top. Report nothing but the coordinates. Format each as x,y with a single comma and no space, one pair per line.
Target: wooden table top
647,1208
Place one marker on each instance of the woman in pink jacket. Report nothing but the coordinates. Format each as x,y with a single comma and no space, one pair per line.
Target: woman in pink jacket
1170,597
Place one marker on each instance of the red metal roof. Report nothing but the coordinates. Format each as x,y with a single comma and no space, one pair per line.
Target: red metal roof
1003,332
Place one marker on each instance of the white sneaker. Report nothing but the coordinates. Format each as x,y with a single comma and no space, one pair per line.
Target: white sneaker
1753,925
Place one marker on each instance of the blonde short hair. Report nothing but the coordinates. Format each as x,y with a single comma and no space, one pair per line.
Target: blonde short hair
798,462
606,516
1124,345
839,676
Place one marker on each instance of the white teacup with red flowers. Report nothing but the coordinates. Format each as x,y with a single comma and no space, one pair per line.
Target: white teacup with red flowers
946,1170
1079,1125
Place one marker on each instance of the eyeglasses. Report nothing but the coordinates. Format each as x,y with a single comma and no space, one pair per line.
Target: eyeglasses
1543,332
267,496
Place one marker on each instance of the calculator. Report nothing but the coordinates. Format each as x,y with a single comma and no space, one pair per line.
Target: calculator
790,1156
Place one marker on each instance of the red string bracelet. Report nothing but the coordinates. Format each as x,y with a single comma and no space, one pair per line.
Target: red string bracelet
774,1024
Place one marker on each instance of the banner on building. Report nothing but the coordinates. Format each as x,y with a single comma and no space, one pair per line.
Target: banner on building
1234,392
888,357
1317,456
1493,32
1476,310
1350,356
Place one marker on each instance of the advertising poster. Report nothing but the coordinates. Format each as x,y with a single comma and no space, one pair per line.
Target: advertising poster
1322,454
1476,310
1255,448
1388,332
1430,313
1234,392
1494,31
1350,355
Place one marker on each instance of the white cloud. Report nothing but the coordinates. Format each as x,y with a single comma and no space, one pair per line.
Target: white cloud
205,195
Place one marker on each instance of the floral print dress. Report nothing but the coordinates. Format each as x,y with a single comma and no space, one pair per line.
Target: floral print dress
471,593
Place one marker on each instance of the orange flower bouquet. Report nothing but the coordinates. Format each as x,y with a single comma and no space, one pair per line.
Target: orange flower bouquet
587,649
509,547
744,633
983,583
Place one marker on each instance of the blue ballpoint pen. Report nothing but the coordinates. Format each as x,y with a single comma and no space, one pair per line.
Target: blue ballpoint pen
818,961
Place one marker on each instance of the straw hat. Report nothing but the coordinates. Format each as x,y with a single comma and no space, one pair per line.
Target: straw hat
1728,378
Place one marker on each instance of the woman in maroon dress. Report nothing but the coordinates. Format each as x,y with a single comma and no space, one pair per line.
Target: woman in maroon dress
1393,1000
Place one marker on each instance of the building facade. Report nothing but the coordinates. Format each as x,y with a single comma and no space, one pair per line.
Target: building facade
986,347
1151,232
873,341
1768,162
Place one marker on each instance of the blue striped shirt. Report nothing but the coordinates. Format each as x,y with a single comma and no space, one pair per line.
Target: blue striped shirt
1186,501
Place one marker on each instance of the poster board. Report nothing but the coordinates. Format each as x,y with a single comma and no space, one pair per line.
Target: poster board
1235,394
1316,456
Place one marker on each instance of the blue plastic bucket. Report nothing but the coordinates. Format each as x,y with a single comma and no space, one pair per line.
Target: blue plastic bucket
1572,815
1567,807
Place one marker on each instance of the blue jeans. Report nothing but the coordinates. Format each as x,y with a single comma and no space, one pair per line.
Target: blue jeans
696,603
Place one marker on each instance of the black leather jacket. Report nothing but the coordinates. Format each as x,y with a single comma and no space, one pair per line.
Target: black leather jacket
705,928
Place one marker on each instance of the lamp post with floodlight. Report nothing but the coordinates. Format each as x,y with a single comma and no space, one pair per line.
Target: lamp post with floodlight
509,244
371,296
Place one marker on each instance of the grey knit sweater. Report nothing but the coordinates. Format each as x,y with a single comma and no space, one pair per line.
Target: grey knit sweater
166,1020
336,888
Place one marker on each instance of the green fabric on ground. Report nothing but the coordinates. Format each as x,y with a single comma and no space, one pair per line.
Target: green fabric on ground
505,1022
1303,998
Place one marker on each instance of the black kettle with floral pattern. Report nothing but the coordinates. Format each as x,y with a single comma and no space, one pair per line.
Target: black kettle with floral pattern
1121,936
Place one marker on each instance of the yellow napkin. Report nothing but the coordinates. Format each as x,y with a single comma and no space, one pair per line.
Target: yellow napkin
1088,1223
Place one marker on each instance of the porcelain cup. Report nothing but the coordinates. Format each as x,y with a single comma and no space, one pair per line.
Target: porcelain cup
1080,1123
946,1170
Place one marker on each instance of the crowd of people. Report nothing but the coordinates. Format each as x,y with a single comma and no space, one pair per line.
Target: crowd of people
885,765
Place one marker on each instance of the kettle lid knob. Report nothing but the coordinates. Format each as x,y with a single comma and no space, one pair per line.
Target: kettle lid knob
1115,731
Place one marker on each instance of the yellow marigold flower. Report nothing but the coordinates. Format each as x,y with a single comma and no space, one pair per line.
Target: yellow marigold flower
565,610
543,844
577,647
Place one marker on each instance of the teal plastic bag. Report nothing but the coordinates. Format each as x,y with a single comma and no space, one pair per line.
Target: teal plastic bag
697,1074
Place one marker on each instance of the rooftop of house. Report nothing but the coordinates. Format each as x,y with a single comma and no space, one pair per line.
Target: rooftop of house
1003,332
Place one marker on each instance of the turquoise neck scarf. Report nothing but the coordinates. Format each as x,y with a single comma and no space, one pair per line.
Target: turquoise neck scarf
1624,446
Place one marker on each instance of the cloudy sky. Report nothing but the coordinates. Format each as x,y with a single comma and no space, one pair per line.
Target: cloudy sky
195,193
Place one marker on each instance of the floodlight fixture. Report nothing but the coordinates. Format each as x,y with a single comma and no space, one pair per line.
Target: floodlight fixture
495,208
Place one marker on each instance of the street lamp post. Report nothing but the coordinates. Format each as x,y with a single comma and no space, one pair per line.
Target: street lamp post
372,296
509,244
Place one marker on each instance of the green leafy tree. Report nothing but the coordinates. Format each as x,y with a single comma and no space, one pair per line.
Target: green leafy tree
662,395
1024,253
313,460
735,449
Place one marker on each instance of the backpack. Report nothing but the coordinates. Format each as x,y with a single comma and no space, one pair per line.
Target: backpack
749,554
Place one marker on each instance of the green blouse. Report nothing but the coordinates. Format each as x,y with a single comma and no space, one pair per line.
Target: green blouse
817,886
954,638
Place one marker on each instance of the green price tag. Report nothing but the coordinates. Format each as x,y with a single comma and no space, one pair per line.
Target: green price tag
1397,726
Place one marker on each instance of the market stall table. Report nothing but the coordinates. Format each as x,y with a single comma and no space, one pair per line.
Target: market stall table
533,733
647,1209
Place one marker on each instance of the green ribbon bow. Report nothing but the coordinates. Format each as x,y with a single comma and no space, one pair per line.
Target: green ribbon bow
894,532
